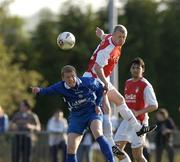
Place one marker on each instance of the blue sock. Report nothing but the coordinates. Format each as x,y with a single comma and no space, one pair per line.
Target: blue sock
105,148
71,158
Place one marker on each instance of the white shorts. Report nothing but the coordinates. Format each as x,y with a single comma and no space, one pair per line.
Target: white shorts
125,132
87,74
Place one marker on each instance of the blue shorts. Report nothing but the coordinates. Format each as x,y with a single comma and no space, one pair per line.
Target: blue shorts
78,124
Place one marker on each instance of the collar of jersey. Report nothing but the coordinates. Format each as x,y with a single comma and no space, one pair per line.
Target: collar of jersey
78,83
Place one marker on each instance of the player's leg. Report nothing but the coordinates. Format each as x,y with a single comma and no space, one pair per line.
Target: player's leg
138,154
107,125
73,142
115,97
124,157
96,128
122,137
76,128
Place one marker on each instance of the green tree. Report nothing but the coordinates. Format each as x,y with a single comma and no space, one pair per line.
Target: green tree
14,81
143,35
168,67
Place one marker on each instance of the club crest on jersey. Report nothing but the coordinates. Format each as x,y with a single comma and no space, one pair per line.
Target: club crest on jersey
137,89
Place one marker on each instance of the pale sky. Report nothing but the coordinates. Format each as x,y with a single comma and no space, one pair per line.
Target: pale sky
26,8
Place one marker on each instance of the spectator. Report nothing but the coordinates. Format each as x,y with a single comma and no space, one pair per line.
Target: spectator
57,125
84,150
23,122
4,121
164,135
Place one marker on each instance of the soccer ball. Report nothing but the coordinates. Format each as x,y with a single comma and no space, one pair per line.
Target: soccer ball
66,40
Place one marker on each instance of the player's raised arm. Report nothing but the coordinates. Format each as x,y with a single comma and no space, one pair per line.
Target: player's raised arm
100,33
54,89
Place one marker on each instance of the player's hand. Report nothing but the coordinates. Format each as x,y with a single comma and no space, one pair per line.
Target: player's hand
35,90
136,113
30,126
98,110
99,32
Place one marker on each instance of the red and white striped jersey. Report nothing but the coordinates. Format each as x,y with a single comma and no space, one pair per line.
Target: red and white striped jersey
138,95
106,55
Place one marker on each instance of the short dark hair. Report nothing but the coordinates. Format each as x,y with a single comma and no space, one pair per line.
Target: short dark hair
26,103
67,69
138,61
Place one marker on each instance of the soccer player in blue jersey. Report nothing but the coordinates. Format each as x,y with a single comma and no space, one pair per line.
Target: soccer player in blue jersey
84,98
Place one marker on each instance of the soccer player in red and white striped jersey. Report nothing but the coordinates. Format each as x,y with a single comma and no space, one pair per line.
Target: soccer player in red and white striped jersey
141,99
100,66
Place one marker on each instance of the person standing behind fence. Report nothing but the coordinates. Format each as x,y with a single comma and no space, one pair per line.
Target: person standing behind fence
4,121
22,123
164,135
57,126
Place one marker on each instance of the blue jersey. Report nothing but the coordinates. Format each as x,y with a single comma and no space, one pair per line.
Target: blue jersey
80,99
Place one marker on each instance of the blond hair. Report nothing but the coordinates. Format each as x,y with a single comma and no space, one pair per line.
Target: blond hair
120,28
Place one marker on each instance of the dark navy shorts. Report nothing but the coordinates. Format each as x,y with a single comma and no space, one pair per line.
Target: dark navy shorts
78,124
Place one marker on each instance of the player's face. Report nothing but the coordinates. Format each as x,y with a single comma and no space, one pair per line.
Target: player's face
119,38
136,71
70,79
23,107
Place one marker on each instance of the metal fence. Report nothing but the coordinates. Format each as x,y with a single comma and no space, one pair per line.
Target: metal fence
14,144
17,143
40,148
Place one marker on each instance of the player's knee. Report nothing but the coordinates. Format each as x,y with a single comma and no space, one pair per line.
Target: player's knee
97,134
71,150
120,101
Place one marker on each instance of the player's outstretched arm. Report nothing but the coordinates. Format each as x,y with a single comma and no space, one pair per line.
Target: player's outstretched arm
54,89
100,33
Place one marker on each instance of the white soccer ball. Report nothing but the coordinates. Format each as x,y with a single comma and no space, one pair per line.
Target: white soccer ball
66,40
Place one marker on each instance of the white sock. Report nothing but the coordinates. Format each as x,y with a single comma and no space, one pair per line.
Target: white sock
127,114
107,129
